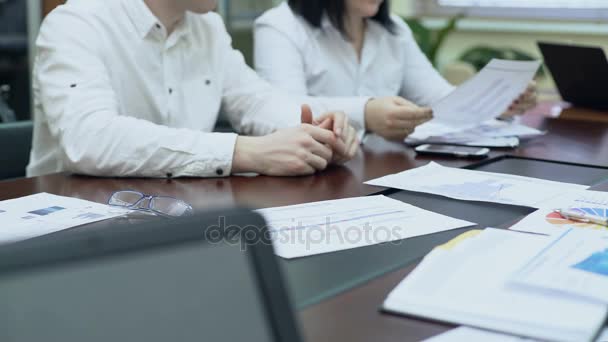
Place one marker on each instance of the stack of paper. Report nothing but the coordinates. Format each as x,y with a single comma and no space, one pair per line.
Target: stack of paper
473,185
468,282
573,264
476,335
43,213
329,226
493,133
484,97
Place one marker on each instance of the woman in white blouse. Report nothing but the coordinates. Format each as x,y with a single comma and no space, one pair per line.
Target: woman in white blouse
351,48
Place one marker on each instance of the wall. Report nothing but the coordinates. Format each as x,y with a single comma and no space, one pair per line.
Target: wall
512,33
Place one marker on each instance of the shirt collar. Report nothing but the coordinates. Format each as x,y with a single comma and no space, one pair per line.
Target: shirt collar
141,16
326,22
145,21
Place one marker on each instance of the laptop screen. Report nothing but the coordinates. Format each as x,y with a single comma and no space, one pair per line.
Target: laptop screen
186,292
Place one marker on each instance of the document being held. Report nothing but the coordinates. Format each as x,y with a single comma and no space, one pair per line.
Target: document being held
484,97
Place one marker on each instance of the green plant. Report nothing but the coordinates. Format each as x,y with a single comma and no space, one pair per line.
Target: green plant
429,40
481,55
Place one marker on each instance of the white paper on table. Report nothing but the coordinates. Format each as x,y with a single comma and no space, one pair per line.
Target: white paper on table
330,226
546,221
573,263
485,96
467,283
471,141
44,213
475,335
487,130
471,185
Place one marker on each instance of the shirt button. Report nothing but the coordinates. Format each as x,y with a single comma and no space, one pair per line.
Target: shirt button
170,91
219,172
158,27
208,82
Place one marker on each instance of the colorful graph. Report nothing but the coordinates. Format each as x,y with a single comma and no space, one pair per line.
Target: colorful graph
596,263
558,220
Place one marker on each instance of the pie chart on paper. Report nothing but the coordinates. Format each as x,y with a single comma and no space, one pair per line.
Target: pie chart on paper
558,220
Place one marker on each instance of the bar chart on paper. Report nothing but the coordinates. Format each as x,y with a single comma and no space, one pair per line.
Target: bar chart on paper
549,222
490,189
471,185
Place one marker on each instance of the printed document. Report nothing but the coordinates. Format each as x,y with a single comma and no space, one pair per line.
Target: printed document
574,263
467,283
330,226
475,335
546,221
471,185
484,97
43,213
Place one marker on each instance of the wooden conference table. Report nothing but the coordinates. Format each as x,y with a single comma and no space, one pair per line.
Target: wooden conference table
338,295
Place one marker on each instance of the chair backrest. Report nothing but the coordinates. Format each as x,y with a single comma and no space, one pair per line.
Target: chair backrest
209,277
15,147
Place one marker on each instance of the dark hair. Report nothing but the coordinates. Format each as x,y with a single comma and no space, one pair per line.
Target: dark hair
313,10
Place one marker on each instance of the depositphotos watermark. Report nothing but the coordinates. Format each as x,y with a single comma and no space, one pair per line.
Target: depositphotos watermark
307,235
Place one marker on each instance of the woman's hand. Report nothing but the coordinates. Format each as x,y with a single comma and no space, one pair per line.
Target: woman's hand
525,102
395,118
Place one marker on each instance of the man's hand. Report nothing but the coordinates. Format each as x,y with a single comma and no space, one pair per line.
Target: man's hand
297,151
525,102
395,118
336,122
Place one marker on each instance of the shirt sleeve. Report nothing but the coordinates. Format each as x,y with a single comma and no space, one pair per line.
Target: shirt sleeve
81,110
278,59
422,83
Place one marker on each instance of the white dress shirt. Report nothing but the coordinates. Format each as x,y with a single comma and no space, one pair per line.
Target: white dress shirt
299,58
116,96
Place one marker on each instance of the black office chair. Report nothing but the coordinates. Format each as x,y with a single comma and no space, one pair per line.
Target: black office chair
188,279
16,144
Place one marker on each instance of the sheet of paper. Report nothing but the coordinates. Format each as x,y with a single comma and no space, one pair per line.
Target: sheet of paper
475,335
546,221
330,226
44,213
468,284
484,97
574,263
487,95
472,141
473,185
488,129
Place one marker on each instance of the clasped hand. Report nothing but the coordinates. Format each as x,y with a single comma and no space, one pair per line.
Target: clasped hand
296,151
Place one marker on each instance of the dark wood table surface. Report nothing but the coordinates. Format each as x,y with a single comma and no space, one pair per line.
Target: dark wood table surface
352,315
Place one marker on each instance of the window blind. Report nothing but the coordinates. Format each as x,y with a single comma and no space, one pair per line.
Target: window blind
557,4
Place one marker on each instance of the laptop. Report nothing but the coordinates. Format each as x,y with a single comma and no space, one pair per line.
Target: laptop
187,279
580,73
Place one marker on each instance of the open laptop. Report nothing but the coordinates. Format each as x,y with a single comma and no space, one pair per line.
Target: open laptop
173,280
580,73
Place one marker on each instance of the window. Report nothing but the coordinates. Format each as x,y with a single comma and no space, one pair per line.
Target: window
543,9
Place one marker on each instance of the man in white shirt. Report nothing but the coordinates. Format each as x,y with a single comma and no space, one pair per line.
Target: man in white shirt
131,88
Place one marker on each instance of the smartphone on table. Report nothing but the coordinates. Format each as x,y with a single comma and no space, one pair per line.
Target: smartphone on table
453,151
